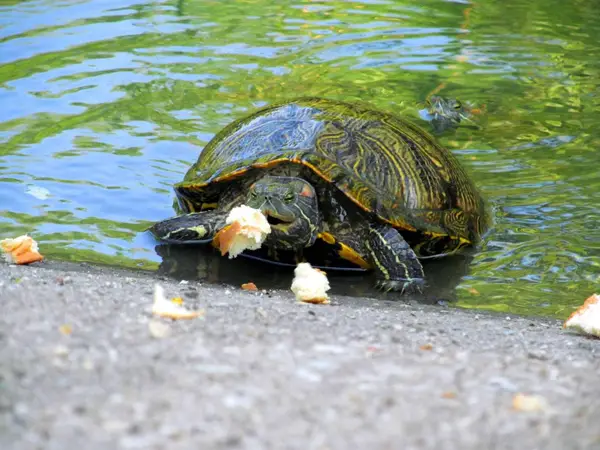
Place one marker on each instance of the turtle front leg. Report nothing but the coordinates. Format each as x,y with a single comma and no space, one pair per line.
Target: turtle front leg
395,263
199,227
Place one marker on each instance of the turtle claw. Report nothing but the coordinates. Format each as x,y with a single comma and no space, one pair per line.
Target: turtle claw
404,287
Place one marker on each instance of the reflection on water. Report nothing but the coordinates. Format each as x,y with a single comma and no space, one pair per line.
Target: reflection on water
105,104
202,263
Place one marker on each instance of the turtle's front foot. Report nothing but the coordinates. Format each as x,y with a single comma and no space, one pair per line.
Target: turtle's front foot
404,287
198,227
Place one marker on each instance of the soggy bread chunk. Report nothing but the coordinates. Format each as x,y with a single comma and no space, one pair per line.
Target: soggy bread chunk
586,318
310,285
20,250
246,229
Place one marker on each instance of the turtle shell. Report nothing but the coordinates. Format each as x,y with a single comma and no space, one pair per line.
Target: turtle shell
385,165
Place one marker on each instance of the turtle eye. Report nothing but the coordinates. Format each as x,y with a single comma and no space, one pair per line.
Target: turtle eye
289,198
457,105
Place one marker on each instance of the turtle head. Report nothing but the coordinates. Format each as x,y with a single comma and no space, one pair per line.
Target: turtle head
291,207
447,112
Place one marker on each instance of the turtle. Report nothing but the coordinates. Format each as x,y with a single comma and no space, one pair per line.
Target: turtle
370,186
446,113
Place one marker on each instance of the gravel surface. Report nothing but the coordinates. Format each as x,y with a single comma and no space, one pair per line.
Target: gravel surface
84,365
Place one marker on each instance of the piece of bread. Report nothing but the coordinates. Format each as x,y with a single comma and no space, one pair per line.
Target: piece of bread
250,286
310,285
246,229
529,403
586,318
172,310
20,250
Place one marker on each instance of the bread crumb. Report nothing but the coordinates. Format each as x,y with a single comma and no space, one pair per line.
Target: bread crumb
310,285
21,250
529,403
65,329
249,286
166,308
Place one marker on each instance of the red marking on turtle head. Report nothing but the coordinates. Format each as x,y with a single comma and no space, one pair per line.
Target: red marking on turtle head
307,191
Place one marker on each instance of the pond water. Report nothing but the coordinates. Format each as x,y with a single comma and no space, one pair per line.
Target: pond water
104,105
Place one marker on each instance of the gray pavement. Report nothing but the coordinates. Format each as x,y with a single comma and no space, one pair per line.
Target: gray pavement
260,371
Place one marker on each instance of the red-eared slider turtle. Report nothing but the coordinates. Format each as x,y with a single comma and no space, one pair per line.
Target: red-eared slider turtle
446,113
375,187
